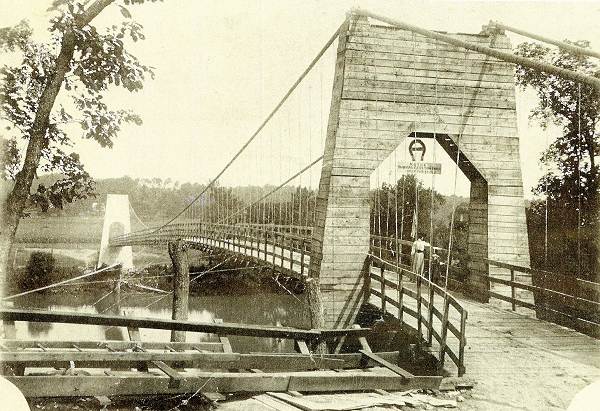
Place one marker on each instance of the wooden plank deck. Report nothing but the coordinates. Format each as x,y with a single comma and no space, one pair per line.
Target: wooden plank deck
513,355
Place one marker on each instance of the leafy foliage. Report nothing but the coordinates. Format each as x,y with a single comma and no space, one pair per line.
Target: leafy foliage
39,270
393,212
571,184
575,108
100,62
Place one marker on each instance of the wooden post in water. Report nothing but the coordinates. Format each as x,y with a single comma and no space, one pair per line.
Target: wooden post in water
181,285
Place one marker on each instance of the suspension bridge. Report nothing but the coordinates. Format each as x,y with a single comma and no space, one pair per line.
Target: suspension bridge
316,193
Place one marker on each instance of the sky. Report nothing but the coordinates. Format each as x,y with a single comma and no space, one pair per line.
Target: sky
222,65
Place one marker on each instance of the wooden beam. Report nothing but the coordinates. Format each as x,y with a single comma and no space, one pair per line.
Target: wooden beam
144,384
181,285
392,367
115,345
174,377
363,341
302,347
188,359
134,335
571,48
9,314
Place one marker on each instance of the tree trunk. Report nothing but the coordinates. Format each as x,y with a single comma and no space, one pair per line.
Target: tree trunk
13,207
7,235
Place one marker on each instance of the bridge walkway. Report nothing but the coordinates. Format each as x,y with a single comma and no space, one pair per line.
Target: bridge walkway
516,361
515,356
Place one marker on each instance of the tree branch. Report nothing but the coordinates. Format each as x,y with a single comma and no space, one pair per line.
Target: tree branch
18,196
91,12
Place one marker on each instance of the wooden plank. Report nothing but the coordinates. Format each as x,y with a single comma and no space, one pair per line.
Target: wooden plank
187,359
392,367
144,384
134,335
115,345
174,377
302,347
363,341
8,314
404,68
224,339
361,382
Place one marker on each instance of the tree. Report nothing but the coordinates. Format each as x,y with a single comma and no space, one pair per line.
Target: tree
39,270
572,180
393,210
79,62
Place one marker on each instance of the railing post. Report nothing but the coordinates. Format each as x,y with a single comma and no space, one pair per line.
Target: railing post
400,297
274,244
444,330
512,289
383,302
282,246
430,316
302,246
462,342
368,279
291,253
266,237
419,323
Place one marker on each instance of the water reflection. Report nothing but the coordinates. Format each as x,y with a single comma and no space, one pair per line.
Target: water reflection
263,309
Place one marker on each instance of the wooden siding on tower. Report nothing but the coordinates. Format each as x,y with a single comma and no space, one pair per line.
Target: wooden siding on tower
389,83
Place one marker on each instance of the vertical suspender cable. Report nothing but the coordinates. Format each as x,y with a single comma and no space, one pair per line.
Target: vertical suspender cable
378,200
449,258
300,141
546,214
309,153
432,191
578,179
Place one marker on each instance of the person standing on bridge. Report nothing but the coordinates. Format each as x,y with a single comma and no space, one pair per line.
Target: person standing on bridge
418,254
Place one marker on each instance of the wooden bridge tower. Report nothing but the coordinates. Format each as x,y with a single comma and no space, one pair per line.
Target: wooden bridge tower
384,90
116,222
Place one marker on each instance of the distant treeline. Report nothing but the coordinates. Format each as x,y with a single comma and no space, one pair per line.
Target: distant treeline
152,199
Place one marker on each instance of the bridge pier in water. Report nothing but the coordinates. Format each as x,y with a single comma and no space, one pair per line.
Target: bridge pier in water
381,96
181,285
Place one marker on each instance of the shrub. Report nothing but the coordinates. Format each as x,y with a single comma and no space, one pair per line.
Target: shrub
39,270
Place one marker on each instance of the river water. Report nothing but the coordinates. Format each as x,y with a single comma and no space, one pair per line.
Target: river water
263,309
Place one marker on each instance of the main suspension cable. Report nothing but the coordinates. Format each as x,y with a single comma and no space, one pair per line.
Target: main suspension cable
264,123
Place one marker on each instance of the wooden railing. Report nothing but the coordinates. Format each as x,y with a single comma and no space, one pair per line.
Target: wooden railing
436,312
395,249
278,246
10,315
565,300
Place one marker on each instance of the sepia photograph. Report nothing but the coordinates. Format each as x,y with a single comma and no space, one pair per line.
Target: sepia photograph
318,205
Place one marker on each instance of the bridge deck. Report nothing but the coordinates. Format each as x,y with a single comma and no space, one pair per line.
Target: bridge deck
516,360
520,362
